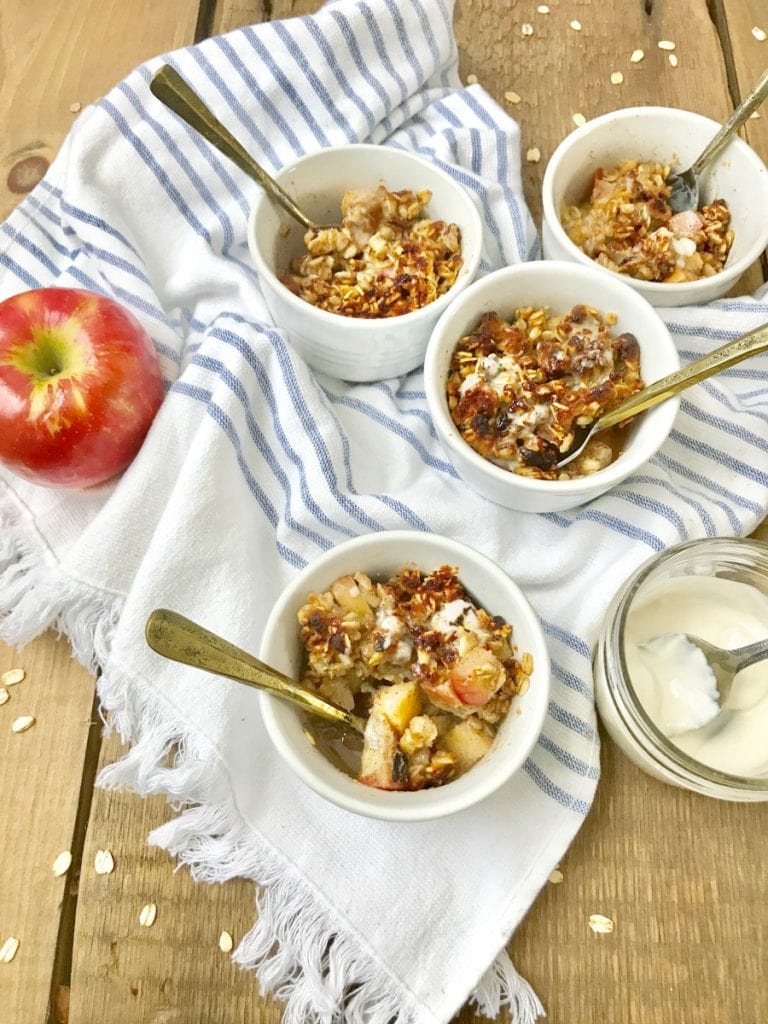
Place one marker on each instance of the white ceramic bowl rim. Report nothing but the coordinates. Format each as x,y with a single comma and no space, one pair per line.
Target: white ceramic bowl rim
613,472
469,266
552,217
470,788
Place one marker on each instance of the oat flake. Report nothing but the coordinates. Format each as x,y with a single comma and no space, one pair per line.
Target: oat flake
576,26
617,78
225,942
637,56
600,924
533,155
22,723
753,117
579,120
512,97
471,79
526,28
542,9
8,949
759,34
75,108
103,862
13,676
666,44
556,877
4,696
672,58
62,863
148,915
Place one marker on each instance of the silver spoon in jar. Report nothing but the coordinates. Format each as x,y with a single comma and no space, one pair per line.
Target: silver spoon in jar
730,662
173,91
180,639
747,345
685,184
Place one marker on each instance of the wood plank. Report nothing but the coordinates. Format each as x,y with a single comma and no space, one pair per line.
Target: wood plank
53,56
42,772
748,59
173,972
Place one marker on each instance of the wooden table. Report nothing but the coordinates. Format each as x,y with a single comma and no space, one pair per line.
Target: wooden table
682,877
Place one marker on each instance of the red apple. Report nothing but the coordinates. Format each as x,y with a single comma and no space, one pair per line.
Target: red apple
80,384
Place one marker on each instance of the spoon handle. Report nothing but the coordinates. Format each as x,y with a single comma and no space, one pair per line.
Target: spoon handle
171,89
750,102
751,654
180,639
750,344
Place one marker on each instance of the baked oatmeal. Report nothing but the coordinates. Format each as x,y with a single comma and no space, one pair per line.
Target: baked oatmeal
433,675
518,390
627,225
385,259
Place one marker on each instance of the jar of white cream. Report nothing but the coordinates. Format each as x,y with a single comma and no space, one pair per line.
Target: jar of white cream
663,711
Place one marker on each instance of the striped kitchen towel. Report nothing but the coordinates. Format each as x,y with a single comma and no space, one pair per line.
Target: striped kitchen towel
255,465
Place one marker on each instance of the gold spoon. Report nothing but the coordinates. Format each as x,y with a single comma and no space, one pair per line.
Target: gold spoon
685,184
172,90
750,344
180,639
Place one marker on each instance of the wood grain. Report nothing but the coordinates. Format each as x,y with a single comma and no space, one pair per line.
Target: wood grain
42,771
173,972
679,875
750,59
54,55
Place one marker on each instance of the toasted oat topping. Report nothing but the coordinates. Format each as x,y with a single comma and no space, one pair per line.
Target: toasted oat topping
385,259
517,390
627,225
433,673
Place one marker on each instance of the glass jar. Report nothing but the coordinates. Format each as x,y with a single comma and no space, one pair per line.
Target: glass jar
622,713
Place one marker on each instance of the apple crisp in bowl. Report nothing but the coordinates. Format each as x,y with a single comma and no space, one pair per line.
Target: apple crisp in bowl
448,667
518,389
432,674
386,258
626,224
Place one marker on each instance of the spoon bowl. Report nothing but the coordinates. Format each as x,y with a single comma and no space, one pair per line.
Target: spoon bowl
685,184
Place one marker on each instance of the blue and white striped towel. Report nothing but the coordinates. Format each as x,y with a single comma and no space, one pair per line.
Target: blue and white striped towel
254,466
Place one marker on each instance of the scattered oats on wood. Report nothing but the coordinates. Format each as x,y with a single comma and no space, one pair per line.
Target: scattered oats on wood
579,120
62,863
103,862
542,9
4,696
533,155
471,79
8,949
556,877
600,924
637,56
576,25
512,97
148,915
22,723
666,44
616,78
225,942
759,34
526,28
13,676
672,58
75,107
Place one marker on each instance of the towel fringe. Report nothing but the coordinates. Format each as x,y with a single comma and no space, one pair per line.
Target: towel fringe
295,949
